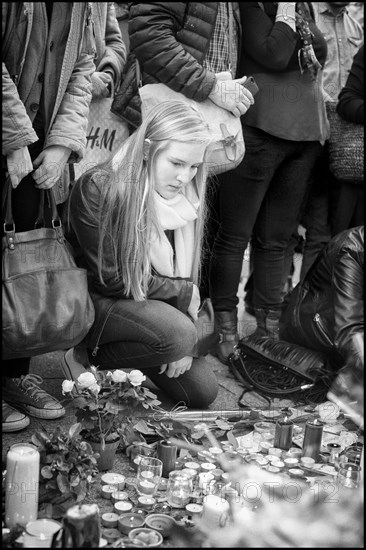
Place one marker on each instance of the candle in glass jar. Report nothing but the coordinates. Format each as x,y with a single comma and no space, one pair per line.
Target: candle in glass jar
312,438
283,434
146,487
21,484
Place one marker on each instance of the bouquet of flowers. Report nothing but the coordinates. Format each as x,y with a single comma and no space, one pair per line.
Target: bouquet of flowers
110,404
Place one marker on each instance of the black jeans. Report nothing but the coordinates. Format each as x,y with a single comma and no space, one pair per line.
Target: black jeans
261,198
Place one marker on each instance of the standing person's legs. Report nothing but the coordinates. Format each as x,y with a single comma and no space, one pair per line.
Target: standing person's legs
146,335
276,222
20,389
243,190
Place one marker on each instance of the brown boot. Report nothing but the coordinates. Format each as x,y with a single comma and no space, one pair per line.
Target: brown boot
227,328
267,323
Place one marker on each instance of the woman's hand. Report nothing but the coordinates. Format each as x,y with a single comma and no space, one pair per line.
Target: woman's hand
19,165
50,165
231,94
176,368
195,303
101,83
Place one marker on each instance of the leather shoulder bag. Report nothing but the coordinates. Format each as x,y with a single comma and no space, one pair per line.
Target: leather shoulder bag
46,304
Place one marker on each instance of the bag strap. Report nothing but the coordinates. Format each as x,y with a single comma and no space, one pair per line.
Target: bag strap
230,17
9,225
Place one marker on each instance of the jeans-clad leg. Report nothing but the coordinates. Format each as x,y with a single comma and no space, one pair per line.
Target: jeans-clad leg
278,219
145,335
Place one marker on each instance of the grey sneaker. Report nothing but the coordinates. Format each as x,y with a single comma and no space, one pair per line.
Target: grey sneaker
25,394
13,420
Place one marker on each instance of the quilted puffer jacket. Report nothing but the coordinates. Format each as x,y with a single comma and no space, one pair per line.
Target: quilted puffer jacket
170,40
325,311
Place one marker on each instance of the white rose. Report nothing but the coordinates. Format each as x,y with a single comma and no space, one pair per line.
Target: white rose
136,377
67,386
94,388
119,376
86,380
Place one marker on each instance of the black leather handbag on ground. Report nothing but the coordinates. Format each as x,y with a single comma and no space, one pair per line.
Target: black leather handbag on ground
281,369
46,304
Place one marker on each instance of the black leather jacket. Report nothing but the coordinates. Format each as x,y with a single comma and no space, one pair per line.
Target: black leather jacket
175,291
325,311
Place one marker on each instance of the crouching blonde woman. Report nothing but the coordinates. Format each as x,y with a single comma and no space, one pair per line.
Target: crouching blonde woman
139,222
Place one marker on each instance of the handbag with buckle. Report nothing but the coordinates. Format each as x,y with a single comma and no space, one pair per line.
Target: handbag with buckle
46,304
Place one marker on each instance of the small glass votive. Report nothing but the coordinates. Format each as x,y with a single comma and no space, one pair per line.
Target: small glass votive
149,473
179,489
349,475
334,450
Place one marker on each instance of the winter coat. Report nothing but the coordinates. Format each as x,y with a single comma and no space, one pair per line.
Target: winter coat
175,291
67,118
110,49
326,310
170,40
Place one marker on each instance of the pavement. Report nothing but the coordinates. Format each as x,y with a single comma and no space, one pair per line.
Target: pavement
48,367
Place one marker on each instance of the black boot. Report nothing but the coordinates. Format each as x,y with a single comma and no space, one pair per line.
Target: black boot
227,327
267,323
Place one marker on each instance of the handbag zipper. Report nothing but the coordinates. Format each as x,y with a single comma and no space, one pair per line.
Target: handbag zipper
321,328
96,347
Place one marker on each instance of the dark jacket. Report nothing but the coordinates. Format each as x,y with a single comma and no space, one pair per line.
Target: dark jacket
175,291
170,40
326,310
351,98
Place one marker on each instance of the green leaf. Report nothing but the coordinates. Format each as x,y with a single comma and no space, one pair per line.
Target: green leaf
142,427
63,483
46,472
75,429
74,481
223,425
232,439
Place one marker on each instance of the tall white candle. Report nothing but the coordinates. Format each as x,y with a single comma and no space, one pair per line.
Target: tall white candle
215,511
21,484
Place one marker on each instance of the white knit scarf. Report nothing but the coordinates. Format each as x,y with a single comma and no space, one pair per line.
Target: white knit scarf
177,214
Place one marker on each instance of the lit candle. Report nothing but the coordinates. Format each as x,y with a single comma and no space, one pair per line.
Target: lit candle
291,462
307,461
114,479
127,522
217,473
122,506
275,452
264,446
215,451
21,483
39,533
278,464
119,495
146,487
108,490
296,472
215,511
146,502
111,535
272,469
190,472
283,434
192,466
110,519
207,467
194,510
203,479
312,438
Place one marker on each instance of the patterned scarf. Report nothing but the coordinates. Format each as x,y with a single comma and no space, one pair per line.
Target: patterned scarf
306,55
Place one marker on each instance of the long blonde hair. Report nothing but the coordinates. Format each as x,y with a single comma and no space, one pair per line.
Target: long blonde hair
127,214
